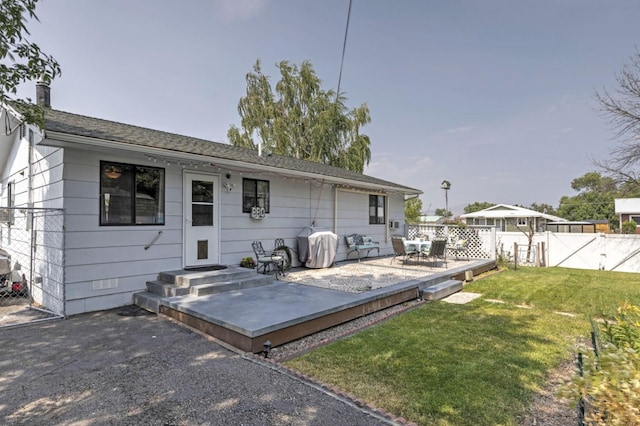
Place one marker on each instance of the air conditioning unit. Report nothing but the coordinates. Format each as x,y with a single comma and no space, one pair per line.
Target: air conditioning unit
257,213
6,216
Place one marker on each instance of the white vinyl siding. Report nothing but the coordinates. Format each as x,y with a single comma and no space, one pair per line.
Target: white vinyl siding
105,265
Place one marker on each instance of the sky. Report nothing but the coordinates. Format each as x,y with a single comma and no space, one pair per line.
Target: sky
495,96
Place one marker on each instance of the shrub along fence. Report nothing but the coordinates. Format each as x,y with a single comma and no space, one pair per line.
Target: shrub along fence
607,383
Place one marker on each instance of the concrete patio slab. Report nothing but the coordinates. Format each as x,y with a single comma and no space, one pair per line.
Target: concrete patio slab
284,311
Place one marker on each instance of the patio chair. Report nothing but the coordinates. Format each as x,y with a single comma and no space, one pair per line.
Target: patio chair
461,246
267,260
279,248
437,250
399,249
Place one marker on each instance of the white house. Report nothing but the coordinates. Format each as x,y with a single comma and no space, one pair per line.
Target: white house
509,218
138,201
628,209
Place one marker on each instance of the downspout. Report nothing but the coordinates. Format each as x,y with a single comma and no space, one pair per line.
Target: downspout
386,216
30,227
31,141
335,209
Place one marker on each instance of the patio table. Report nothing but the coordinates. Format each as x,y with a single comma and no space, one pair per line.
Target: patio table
420,246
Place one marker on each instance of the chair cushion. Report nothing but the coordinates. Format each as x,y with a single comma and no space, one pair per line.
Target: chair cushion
267,259
349,240
461,243
359,240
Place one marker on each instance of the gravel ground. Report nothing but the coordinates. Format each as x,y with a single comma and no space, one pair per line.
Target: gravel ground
546,407
358,277
306,344
111,369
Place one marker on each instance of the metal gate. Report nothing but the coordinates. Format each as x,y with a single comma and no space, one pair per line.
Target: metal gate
31,265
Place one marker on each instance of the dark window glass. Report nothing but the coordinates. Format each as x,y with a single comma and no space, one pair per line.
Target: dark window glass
131,195
255,193
202,203
377,209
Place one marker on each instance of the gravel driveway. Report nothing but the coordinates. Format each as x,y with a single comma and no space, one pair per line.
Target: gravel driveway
106,368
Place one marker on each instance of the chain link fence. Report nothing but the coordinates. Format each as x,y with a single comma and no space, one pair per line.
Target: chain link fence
31,265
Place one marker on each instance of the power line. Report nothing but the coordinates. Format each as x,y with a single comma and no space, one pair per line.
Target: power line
344,48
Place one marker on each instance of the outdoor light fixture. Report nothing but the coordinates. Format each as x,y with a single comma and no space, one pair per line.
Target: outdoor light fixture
446,185
112,172
266,348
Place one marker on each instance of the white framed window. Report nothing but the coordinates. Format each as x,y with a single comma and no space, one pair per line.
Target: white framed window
7,215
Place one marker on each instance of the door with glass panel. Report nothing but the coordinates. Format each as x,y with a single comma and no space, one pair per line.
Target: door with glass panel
201,220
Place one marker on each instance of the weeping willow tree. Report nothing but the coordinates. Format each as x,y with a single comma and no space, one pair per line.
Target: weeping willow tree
301,120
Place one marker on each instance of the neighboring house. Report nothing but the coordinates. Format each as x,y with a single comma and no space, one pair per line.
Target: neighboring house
628,209
138,201
509,218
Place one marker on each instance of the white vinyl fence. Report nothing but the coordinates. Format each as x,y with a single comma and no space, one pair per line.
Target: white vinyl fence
611,252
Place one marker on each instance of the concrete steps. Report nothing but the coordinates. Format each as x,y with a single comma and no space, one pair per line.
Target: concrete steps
197,283
441,290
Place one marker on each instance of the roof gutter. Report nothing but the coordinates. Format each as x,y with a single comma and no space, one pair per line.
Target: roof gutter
68,139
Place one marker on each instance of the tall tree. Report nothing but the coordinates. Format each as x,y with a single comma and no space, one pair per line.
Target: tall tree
542,208
595,199
301,119
477,206
20,59
443,212
622,108
412,208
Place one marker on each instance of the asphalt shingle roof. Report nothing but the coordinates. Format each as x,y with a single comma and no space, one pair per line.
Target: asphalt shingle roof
79,125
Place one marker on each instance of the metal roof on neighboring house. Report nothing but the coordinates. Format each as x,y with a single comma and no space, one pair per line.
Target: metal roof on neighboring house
60,123
506,211
431,218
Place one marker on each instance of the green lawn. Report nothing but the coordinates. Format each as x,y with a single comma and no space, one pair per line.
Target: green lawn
473,364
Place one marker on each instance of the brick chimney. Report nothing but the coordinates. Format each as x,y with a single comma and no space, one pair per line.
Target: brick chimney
43,93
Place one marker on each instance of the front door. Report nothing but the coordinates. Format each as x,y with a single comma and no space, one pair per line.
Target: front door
201,219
